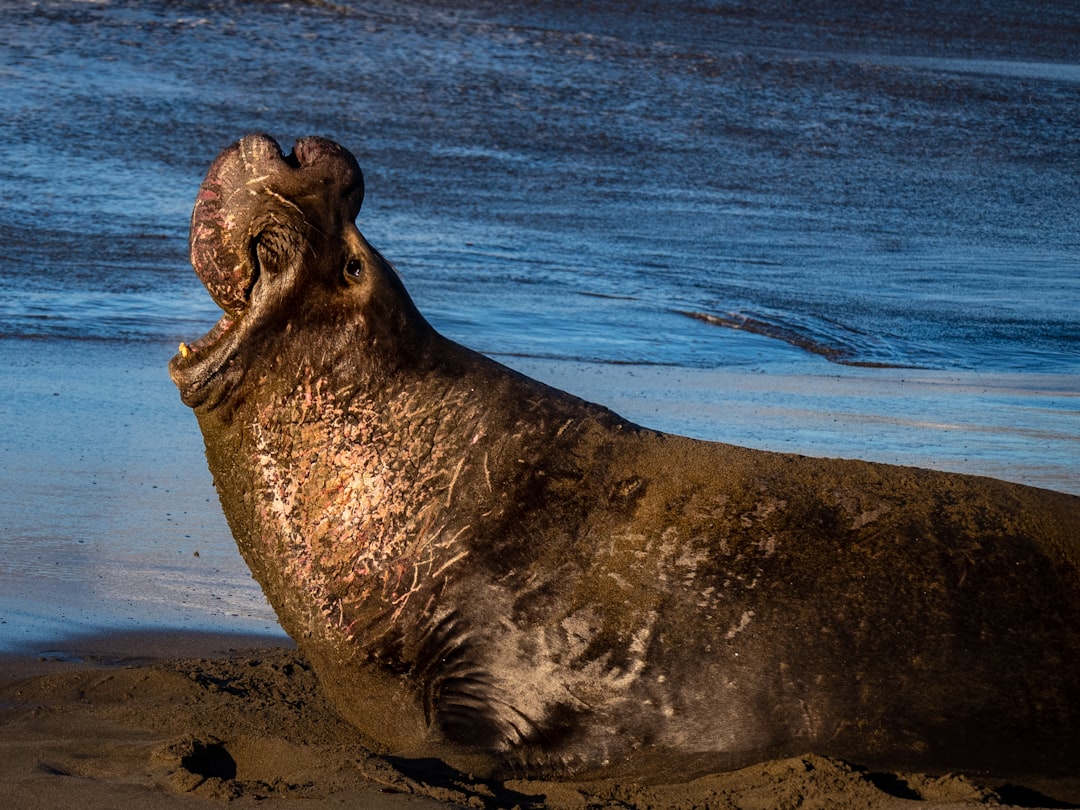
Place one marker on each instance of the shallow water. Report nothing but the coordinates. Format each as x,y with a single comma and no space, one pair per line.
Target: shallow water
841,229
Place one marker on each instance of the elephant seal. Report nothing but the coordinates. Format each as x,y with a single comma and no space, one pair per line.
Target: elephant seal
492,571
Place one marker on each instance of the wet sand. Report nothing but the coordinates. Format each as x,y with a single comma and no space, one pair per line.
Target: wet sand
188,721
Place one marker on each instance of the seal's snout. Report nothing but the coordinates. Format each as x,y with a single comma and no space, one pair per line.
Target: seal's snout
222,217
249,177
311,150
257,149
335,166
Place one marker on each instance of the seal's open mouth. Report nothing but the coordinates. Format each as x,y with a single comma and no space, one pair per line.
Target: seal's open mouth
199,363
209,339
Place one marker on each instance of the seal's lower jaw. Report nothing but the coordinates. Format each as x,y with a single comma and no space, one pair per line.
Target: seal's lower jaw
197,368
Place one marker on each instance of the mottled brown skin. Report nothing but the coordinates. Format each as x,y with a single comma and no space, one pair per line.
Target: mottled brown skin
489,570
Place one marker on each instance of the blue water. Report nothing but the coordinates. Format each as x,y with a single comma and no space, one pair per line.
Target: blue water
839,228
892,185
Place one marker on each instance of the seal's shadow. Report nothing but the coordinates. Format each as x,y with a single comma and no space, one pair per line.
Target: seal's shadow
1020,796
436,778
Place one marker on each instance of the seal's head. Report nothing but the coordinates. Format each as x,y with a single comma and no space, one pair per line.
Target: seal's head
273,237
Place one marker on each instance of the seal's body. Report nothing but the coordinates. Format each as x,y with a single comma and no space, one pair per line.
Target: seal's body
478,564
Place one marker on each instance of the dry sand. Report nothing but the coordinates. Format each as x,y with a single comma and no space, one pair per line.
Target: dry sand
173,721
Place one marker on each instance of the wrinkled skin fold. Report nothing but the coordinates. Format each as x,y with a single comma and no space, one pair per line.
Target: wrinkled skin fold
491,571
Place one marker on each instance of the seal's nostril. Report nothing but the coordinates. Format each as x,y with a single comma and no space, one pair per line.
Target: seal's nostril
309,150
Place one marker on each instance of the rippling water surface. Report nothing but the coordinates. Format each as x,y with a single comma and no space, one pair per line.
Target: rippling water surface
876,184
873,193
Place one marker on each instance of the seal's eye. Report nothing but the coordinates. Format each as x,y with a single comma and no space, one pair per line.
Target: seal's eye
354,268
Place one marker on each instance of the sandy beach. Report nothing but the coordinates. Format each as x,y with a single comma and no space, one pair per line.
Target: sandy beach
188,721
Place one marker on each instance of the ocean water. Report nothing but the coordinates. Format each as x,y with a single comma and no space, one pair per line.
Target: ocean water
841,228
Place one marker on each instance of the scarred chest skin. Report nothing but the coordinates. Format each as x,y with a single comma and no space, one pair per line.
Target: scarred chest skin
397,528
488,570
